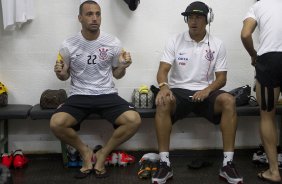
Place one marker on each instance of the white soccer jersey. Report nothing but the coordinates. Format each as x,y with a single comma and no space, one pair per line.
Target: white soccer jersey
269,25
90,63
194,64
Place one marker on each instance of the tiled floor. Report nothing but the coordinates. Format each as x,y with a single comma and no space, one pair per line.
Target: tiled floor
48,169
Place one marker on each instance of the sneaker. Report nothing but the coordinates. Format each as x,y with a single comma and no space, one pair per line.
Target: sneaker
145,169
154,168
112,159
230,174
19,159
124,159
7,159
259,157
73,156
163,173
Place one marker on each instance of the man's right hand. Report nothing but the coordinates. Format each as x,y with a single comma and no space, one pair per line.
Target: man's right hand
58,68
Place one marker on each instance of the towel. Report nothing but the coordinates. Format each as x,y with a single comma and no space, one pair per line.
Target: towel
16,12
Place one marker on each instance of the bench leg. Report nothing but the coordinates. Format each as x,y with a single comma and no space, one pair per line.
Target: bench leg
280,131
64,154
4,139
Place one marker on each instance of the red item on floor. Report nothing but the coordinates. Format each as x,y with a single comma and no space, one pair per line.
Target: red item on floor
124,158
19,159
7,159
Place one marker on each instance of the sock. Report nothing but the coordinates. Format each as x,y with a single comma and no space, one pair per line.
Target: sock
227,156
164,157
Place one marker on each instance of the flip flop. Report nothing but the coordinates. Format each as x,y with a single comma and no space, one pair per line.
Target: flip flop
101,174
261,177
83,174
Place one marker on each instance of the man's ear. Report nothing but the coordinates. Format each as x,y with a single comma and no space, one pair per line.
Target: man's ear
79,18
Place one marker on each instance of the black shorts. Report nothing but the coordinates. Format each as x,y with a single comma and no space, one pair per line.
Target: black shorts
108,106
204,109
269,69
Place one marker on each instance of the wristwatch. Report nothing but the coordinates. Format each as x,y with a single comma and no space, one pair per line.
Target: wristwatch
163,84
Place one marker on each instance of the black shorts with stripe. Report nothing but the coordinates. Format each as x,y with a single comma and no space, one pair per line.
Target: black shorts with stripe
204,109
108,106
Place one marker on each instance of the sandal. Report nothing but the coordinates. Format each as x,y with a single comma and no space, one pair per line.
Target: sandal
83,174
101,174
261,177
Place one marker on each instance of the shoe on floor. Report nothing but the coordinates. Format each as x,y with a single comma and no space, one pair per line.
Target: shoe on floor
145,169
163,173
7,159
19,159
124,159
230,174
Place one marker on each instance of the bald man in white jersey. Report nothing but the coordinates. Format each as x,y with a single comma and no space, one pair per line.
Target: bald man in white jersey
91,59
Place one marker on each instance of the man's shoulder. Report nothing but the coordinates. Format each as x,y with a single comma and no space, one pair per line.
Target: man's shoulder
72,38
178,35
109,38
215,39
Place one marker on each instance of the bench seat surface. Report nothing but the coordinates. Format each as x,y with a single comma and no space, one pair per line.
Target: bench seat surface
15,111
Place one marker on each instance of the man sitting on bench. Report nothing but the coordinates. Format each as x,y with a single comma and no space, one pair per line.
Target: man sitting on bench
91,59
193,58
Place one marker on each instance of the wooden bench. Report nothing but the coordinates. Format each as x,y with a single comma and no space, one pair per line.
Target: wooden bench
11,111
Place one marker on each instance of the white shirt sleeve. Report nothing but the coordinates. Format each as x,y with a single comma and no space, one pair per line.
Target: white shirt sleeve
221,64
169,52
251,13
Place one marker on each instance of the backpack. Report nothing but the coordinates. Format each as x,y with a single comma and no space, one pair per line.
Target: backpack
242,95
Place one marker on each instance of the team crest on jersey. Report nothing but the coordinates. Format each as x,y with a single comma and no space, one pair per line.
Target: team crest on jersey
209,55
103,53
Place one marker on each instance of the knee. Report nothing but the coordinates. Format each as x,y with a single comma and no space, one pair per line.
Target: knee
135,119
165,107
56,122
132,119
228,102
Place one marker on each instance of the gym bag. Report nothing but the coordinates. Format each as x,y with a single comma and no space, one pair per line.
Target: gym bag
51,99
143,97
242,95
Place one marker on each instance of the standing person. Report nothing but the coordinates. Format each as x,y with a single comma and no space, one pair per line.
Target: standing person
91,59
193,58
267,60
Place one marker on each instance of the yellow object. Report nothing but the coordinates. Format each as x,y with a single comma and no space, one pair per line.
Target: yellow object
143,89
3,88
59,57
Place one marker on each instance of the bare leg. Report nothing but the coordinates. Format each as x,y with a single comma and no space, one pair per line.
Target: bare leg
225,103
268,133
60,125
163,124
129,123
